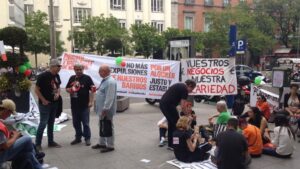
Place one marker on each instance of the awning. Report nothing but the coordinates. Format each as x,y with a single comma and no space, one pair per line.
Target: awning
283,51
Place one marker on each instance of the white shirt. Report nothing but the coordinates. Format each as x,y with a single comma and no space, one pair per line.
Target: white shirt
284,142
161,121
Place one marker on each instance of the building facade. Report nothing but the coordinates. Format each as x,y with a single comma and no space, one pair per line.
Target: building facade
192,14
70,13
12,13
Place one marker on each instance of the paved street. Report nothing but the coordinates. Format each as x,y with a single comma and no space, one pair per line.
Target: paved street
136,139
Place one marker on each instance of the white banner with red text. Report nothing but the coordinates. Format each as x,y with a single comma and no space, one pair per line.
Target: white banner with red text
144,78
272,98
214,76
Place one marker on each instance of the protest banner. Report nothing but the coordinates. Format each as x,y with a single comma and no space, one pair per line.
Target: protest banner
214,76
272,99
142,78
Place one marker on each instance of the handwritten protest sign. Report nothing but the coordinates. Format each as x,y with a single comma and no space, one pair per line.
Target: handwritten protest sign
272,98
138,78
214,76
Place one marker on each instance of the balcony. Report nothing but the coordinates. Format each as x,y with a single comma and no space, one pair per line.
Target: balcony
189,2
209,3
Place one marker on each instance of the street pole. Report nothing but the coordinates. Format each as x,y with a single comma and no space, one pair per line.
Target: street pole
52,31
298,38
71,22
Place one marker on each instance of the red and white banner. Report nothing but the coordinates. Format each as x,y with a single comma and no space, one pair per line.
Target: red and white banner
214,76
142,78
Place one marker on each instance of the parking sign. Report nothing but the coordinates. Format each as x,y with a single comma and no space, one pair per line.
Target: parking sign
240,46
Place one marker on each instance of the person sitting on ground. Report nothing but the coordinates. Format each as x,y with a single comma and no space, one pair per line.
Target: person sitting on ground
292,100
163,127
189,147
253,137
189,112
263,106
231,148
222,117
12,144
283,141
256,118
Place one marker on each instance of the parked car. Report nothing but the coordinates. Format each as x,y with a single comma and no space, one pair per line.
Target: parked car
244,70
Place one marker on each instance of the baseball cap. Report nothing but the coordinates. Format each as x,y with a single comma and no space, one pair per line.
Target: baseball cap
9,105
55,62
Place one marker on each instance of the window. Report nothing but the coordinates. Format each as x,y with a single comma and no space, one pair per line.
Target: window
226,3
138,5
207,23
117,4
159,25
28,8
122,23
189,2
138,22
55,13
80,14
208,2
189,23
157,5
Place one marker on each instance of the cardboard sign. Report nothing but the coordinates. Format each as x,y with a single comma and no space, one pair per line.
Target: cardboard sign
214,76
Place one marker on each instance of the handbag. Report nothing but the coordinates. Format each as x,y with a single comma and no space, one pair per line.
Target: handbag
105,127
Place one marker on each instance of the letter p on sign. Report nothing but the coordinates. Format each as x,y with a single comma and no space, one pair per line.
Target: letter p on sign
240,46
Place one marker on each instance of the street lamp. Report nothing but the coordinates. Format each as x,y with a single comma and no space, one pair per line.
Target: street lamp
52,31
71,24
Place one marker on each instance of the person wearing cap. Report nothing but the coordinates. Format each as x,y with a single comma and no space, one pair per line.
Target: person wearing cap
81,89
12,144
47,90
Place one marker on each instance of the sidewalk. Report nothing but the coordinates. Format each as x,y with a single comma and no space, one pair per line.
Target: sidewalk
136,139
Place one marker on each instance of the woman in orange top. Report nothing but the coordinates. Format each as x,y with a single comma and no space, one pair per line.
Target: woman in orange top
263,106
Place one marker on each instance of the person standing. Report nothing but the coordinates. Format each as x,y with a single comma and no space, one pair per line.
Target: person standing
175,95
48,91
106,106
81,89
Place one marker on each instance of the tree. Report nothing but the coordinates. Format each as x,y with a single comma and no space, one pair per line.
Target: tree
285,13
14,36
95,30
113,44
249,27
38,32
146,39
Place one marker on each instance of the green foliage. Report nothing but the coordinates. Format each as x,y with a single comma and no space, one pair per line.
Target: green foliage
146,39
14,36
94,31
250,27
285,14
113,44
38,33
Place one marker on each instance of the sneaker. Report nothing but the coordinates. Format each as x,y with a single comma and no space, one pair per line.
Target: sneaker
161,143
40,155
87,142
54,145
170,148
108,149
98,146
76,141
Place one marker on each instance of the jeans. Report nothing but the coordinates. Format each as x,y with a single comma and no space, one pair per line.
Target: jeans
171,114
81,116
23,146
47,117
